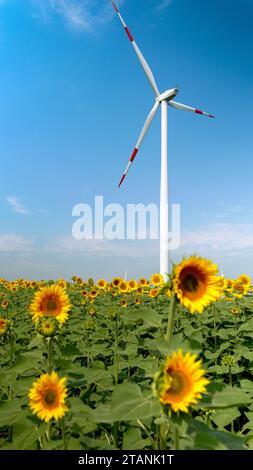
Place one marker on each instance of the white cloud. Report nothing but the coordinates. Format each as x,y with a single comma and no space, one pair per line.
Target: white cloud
82,15
223,237
13,243
115,248
164,4
227,210
229,245
16,205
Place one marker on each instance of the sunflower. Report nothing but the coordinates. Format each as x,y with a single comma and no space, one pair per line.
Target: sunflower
228,360
137,301
5,303
167,292
13,288
235,310
47,326
246,281
123,303
4,326
132,285
113,292
116,281
222,283
123,286
47,397
92,311
182,382
156,280
229,285
143,281
102,284
62,283
93,293
196,284
84,293
239,290
50,301
153,293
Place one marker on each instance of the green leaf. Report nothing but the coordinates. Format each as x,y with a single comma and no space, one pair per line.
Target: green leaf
128,404
147,316
227,398
132,440
25,436
74,444
101,414
10,412
230,441
224,417
247,385
206,441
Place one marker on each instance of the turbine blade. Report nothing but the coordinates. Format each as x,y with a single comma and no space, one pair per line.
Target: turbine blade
143,62
141,137
176,105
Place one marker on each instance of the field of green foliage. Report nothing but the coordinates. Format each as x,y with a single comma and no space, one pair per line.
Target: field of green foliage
110,349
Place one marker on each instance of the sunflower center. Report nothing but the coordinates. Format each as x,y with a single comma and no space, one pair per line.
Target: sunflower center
50,397
178,383
51,305
190,282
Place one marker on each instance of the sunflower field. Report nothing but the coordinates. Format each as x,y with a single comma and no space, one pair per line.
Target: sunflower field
128,364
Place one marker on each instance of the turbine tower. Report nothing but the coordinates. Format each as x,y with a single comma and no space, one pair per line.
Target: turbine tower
164,99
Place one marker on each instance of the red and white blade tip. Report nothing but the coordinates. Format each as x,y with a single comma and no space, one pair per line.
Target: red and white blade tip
121,181
115,8
128,166
198,111
130,37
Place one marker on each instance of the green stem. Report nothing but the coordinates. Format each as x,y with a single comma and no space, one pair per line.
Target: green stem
236,331
88,352
176,438
63,429
171,317
12,341
163,436
115,432
142,426
231,384
214,327
215,331
48,431
116,356
50,359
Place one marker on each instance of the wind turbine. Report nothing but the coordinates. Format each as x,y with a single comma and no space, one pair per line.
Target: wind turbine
164,99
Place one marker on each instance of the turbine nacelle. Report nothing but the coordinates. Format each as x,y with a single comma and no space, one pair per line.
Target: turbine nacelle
168,95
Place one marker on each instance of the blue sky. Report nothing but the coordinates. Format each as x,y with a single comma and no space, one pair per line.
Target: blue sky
73,100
